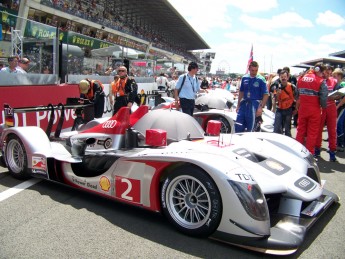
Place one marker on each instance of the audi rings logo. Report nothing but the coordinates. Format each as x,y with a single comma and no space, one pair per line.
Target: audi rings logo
109,124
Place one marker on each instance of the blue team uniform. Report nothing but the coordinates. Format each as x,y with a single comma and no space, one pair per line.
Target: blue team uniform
253,89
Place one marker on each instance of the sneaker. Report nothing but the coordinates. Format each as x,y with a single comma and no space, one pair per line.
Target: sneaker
340,148
332,157
317,152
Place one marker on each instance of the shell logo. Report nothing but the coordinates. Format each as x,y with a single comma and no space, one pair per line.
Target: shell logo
104,182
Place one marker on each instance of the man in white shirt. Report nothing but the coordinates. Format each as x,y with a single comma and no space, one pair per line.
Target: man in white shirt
12,65
187,86
162,82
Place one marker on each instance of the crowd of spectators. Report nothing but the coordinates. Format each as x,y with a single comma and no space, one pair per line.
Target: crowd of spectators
96,12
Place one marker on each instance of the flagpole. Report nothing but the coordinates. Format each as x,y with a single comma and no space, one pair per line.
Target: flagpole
251,58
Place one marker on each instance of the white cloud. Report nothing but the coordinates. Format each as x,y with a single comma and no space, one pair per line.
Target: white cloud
250,6
337,37
270,51
279,40
284,20
202,15
330,19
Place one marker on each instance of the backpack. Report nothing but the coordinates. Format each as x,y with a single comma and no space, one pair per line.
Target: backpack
184,79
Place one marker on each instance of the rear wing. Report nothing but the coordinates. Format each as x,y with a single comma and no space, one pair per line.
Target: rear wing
79,109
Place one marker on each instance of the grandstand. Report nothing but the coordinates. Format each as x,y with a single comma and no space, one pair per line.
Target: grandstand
152,28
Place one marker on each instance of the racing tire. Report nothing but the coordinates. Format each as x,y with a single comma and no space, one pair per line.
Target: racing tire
16,158
191,201
225,125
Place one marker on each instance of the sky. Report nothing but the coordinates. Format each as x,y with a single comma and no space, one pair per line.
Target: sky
282,32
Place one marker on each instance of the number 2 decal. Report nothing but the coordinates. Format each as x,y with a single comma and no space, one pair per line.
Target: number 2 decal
127,189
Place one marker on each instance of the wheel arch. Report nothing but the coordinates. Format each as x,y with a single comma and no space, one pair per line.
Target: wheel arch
207,182
224,117
177,166
34,140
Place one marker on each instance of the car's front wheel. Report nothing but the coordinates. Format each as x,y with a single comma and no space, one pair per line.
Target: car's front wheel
191,201
16,158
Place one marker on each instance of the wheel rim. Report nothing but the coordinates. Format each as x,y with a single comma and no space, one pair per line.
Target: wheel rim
223,128
15,156
188,202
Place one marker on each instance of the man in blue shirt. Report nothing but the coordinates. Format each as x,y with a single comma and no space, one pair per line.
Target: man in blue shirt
252,98
187,86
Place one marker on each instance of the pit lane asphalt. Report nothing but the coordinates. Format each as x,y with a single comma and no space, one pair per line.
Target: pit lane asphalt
49,220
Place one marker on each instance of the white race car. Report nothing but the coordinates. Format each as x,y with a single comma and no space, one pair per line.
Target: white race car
220,105
260,191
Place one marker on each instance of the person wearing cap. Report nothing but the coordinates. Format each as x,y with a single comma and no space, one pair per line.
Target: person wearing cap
338,74
23,65
328,117
125,90
12,65
186,88
93,91
312,95
252,98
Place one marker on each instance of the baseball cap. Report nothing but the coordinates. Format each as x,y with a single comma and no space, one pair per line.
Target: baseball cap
84,86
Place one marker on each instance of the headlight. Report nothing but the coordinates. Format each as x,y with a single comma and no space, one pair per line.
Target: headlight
252,199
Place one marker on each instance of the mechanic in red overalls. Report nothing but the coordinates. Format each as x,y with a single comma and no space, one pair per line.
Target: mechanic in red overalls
312,92
328,117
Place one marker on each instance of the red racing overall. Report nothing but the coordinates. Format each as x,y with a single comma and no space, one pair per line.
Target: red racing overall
329,116
309,112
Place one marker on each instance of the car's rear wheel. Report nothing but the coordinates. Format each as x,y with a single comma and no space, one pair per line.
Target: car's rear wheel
16,158
191,201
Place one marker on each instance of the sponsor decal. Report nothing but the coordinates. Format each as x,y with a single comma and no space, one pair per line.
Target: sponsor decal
256,84
39,163
40,172
84,183
307,79
245,177
104,182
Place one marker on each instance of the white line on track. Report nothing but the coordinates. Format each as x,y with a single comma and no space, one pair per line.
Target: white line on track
18,188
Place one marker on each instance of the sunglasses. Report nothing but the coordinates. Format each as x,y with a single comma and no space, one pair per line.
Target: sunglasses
121,70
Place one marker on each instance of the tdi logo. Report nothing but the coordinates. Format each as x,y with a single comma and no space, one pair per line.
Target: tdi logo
305,184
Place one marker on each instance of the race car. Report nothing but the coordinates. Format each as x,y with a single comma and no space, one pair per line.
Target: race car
225,112
260,191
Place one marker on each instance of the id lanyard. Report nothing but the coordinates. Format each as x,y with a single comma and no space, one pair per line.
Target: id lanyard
191,82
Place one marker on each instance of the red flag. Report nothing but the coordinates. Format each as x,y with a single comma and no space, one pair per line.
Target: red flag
251,58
